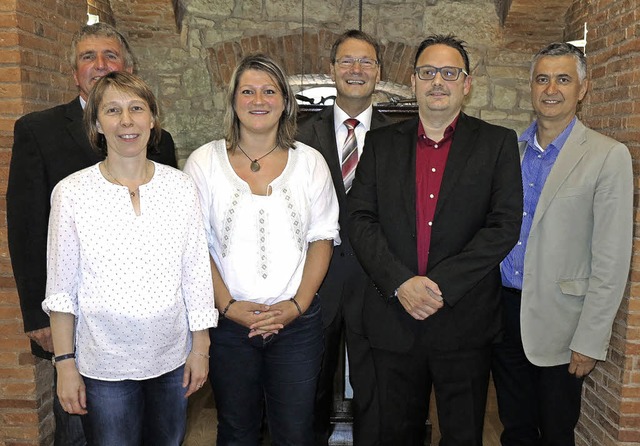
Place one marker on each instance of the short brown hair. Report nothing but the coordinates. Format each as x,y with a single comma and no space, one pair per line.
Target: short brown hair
124,82
357,35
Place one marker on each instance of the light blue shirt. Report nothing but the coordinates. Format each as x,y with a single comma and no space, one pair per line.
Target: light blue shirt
536,166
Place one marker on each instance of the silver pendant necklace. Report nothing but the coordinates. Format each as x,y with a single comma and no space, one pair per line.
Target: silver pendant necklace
255,165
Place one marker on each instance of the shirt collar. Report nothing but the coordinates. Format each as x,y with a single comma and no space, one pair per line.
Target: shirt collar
529,135
83,103
448,132
363,118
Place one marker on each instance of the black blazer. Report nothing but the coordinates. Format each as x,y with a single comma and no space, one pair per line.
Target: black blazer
48,146
344,274
476,223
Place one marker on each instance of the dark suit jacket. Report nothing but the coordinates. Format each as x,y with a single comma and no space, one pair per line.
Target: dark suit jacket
48,146
476,223
318,131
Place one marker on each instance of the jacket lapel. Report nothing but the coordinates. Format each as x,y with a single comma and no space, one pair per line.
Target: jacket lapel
75,127
570,154
463,140
403,165
324,130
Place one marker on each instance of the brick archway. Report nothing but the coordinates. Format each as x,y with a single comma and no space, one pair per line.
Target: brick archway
308,55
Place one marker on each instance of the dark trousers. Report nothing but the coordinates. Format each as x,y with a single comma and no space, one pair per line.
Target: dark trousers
279,373
361,377
538,406
324,393
69,431
460,379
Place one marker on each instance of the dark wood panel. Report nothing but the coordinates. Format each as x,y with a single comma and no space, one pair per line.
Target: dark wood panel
394,112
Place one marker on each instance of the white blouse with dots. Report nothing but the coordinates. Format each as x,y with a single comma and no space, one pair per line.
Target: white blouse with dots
259,243
137,285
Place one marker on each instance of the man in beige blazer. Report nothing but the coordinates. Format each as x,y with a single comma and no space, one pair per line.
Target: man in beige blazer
564,279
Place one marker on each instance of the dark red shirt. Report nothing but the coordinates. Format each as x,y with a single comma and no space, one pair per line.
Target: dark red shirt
431,159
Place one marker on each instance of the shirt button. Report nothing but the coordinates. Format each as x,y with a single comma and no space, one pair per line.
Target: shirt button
517,273
530,184
539,156
519,243
524,214
433,169
436,146
430,195
430,223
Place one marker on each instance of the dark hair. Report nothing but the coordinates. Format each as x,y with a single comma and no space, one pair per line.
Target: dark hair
449,40
358,35
563,49
287,125
126,83
101,30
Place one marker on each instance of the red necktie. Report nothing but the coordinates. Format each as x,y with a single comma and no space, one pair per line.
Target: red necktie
349,153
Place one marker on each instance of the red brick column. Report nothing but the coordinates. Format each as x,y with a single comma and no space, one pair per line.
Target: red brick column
611,403
101,8
34,74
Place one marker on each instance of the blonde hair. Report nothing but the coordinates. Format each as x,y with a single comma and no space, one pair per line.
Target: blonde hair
287,124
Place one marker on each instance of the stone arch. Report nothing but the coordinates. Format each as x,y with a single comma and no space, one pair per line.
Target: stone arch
307,57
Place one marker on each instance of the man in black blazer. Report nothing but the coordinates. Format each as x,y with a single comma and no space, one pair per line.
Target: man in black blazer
355,69
436,204
48,146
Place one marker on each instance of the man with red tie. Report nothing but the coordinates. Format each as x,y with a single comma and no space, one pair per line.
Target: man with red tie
338,132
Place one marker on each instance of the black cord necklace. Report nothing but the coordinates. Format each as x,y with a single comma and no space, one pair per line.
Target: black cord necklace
255,165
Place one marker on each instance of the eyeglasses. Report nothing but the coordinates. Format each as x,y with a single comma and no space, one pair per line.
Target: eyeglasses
365,63
427,72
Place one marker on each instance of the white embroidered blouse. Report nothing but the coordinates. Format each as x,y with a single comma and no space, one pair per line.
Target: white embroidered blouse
259,243
137,285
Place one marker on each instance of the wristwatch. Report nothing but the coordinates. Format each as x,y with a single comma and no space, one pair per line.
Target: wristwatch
59,358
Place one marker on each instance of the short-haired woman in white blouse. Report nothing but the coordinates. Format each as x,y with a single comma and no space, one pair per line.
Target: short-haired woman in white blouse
271,217
128,268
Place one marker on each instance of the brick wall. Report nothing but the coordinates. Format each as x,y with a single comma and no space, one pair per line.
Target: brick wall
397,57
191,80
101,8
611,404
34,74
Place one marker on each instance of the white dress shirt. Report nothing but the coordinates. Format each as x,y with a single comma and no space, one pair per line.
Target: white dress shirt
364,124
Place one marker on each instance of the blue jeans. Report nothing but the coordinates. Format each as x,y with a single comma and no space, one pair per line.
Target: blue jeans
279,373
131,413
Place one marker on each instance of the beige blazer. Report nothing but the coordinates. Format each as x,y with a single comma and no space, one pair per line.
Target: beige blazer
579,250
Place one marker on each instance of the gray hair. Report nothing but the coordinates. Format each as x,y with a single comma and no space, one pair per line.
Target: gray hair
101,29
562,49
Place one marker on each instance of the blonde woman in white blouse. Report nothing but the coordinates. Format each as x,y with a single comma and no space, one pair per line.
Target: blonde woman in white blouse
271,217
128,268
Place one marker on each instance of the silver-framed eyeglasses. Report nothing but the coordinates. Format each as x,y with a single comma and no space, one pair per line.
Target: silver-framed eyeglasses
365,62
428,72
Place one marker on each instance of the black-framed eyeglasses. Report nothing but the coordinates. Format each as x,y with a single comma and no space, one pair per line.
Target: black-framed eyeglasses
428,72
365,62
